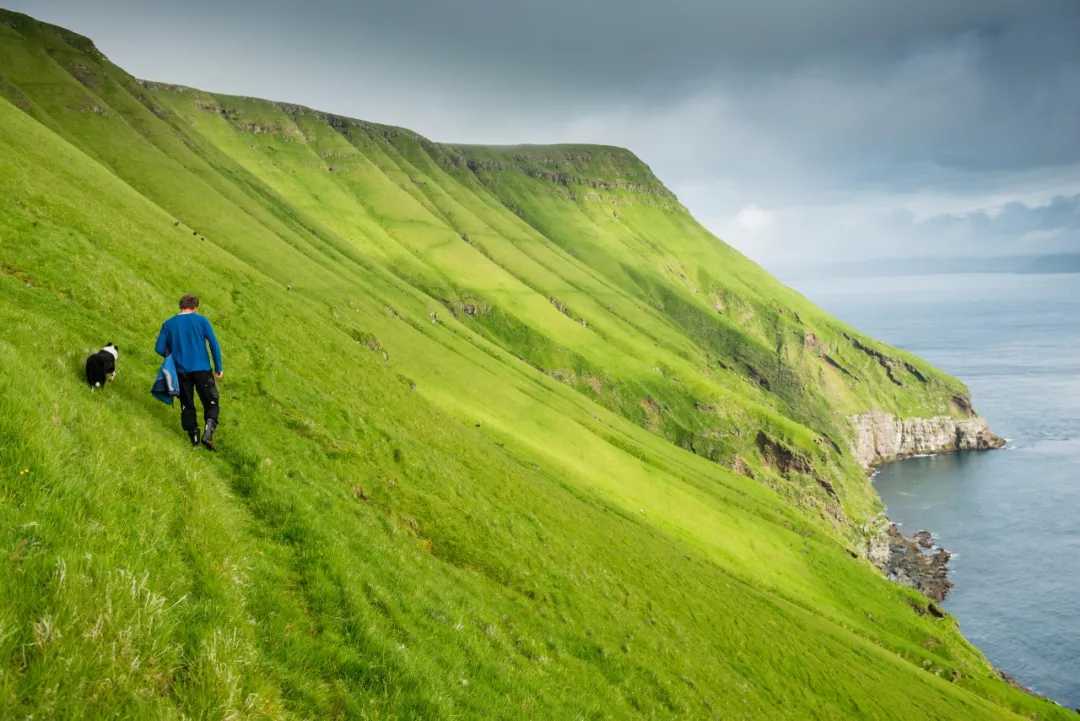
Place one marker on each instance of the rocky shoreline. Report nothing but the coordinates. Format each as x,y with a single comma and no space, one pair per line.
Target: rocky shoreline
881,437
914,561
917,561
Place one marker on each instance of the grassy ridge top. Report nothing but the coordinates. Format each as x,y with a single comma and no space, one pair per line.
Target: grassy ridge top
600,167
505,434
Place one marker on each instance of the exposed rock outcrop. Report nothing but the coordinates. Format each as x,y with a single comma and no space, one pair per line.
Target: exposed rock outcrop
882,437
924,538
911,561
916,562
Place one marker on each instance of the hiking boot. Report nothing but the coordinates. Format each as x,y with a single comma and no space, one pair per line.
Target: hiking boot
208,435
194,436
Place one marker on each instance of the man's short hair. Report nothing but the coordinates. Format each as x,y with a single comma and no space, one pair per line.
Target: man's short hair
189,302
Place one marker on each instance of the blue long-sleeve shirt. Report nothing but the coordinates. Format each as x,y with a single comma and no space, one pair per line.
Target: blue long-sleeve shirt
184,337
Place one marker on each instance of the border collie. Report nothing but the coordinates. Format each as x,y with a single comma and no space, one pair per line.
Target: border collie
101,366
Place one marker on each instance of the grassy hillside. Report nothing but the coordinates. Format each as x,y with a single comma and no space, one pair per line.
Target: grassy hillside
505,434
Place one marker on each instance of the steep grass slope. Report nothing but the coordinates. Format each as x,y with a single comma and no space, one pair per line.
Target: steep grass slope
506,434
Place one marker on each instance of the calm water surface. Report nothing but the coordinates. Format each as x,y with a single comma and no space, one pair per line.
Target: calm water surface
1010,516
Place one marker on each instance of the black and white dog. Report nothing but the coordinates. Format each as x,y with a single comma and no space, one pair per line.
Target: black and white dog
101,366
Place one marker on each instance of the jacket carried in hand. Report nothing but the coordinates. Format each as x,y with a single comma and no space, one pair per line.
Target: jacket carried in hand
167,384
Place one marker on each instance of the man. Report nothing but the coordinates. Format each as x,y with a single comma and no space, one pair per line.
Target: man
184,337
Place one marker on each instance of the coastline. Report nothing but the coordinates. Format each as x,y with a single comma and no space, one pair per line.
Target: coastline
880,438
1005,514
918,562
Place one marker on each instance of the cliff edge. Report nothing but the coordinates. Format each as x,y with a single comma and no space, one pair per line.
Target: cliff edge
882,437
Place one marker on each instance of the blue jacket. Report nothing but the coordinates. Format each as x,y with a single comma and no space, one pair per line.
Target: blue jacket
184,338
167,384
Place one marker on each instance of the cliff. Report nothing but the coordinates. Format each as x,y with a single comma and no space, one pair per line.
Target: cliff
880,437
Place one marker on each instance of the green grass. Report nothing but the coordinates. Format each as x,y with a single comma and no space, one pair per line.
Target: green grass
478,418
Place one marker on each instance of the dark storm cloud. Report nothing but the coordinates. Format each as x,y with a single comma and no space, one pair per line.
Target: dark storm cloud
1054,226
972,85
754,112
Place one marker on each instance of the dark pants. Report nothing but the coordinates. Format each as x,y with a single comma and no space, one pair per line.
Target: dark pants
201,382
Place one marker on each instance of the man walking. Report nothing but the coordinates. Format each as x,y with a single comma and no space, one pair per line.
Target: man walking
184,337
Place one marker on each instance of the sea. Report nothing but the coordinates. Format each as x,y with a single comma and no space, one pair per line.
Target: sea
1011,517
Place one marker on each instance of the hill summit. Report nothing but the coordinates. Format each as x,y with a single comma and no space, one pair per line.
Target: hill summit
505,433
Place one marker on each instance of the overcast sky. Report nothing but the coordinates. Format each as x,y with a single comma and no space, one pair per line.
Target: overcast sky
797,130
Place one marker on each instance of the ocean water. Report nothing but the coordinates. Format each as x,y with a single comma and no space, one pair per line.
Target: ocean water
1012,517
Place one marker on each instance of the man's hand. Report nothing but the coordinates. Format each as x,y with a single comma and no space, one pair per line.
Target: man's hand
219,374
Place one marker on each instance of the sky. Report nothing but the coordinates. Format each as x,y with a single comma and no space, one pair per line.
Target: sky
800,131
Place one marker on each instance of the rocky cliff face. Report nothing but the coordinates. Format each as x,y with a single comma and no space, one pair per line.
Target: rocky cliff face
882,437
